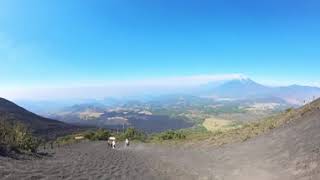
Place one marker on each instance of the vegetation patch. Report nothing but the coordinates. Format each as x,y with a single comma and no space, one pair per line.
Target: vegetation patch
102,135
215,124
132,134
16,137
92,135
167,135
171,135
98,135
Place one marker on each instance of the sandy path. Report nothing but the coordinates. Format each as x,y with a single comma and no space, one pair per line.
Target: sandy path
90,160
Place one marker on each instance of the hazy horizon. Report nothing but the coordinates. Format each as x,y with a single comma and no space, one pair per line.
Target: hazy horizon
126,88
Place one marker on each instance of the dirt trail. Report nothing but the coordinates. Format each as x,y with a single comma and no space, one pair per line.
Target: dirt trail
90,160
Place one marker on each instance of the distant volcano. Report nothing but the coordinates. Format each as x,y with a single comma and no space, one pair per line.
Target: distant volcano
246,88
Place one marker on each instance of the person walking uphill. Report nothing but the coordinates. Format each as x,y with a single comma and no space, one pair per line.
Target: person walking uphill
113,144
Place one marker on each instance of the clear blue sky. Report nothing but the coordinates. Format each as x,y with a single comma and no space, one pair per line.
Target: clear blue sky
68,41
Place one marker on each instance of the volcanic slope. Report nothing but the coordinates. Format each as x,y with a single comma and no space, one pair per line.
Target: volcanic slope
12,113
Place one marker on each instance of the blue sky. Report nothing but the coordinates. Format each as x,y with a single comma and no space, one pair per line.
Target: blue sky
64,43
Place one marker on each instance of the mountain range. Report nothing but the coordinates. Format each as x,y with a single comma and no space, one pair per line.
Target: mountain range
248,89
242,89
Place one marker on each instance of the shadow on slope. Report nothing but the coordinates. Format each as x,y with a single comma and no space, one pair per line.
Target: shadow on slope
11,113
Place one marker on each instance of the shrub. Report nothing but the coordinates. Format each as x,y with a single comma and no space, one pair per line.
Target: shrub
65,140
171,135
132,134
289,110
15,136
98,135
101,135
89,135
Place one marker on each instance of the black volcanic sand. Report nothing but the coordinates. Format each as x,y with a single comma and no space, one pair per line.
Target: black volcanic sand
286,153
90,160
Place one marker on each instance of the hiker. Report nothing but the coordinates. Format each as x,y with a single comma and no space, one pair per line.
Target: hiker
109,143
127,142
112,142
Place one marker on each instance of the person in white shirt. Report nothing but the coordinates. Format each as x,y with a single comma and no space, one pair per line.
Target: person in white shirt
127,142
